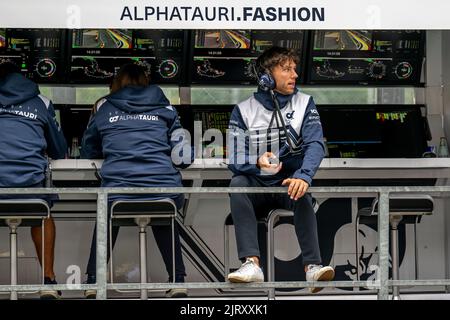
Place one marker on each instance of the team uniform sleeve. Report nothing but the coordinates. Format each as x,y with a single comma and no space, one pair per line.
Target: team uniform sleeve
56,143
313,145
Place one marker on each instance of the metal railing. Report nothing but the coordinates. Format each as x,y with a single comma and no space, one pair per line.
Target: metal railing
381,284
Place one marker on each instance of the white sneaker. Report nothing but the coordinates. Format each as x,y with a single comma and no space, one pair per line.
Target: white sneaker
90,294
317,272
248,272
47,294
177,293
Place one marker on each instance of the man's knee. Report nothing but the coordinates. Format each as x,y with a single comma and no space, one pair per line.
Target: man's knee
240,181
305,203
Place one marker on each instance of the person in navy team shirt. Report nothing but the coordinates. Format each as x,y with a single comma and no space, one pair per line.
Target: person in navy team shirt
29,133
136,131
270,151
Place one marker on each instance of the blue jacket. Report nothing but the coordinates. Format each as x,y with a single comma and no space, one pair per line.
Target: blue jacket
249,122
28,131
136,131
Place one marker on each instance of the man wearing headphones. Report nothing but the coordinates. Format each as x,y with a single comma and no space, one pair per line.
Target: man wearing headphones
275,139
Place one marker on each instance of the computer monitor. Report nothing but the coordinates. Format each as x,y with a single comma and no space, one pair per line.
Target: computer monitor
73,120
212,117
372,57
96,55
228,56
374,131
2,38
39,53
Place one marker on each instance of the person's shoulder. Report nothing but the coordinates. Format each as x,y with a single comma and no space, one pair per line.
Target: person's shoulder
302,95
46,101
167,111
247,100
170,109
101,102
249,105
301,98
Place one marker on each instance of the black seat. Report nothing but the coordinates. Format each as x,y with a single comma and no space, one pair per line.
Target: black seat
405,209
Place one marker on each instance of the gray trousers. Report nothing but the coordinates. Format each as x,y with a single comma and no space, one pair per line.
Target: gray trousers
246,207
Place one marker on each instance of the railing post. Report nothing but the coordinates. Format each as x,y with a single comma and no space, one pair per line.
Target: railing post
102,226
383,245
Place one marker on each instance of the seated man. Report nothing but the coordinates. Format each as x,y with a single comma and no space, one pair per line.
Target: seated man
135,129
28,131
296,142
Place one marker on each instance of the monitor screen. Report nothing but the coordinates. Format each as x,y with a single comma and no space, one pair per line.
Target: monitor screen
102,38
374,131
212,117
2,38
222,39
343,40
39,53
228,56
96,55
73,120
378,57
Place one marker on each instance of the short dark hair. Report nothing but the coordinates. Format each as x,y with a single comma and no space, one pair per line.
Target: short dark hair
7,68
130,74
275,56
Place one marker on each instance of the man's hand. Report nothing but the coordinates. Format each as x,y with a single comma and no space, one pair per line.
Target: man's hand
268,163
297,187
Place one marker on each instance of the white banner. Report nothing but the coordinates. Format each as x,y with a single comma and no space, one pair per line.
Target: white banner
206,14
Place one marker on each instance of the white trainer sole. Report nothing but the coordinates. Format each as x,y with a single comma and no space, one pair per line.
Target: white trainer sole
238,279
325,274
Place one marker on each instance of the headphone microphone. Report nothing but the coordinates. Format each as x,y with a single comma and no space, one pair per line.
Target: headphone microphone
266,82
264,79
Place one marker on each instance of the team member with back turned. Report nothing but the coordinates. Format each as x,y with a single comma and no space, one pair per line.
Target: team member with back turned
29,133
135,129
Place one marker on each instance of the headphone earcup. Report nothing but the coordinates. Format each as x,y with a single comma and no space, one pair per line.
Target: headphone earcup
266,82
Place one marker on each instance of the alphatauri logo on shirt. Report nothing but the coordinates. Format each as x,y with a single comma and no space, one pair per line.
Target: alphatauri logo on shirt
144,117
290,115
20,112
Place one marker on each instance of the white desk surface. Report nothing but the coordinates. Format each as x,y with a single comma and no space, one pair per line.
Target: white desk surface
330,168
